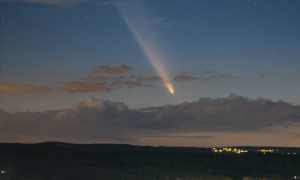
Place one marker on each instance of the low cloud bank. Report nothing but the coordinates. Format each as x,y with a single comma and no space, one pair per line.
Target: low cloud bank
95,119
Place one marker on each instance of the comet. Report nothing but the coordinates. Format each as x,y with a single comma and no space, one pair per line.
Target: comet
133,14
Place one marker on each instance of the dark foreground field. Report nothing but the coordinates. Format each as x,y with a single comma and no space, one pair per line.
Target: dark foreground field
116,162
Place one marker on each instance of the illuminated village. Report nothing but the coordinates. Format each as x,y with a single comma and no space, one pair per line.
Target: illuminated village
233,150
238,151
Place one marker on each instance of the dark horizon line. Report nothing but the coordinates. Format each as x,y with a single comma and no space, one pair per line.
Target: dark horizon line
59,142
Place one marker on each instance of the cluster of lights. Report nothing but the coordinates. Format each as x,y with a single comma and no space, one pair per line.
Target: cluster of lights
266,150
238,151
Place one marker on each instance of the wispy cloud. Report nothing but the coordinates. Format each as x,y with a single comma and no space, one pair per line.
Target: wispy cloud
214,77
261,76
88,87
111,70
206,76
175,136
27,88
184,77
104,78
169,24
154,78
104,85
131,84
157,20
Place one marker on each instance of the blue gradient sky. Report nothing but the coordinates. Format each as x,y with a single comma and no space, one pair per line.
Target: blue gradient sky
207,48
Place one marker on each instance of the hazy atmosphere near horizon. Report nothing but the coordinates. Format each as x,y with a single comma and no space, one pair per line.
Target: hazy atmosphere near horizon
199,73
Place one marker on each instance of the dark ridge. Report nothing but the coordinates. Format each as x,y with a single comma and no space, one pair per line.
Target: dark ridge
59,161
127,147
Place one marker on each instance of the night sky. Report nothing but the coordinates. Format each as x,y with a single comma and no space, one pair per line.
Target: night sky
198,73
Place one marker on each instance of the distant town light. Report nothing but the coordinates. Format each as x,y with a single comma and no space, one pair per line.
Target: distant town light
220,150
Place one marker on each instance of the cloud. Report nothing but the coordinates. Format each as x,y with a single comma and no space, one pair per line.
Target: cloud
89,119
131,84
98,83
132,77
61,3
207,76
157,20
104,85
174,136
261,76
214,77
96,119
91,83
87,87
104,78
154,78
15,88
184,77
108,70
169,24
